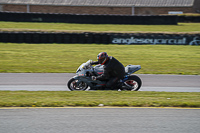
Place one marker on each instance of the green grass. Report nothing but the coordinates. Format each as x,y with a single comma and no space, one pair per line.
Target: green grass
56,27
65,58
94,98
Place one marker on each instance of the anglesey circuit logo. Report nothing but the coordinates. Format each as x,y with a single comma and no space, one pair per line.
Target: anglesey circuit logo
195,41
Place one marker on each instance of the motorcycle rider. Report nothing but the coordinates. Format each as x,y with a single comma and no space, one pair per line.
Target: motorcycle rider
113,70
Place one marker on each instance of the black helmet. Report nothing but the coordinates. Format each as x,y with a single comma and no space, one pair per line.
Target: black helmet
102,58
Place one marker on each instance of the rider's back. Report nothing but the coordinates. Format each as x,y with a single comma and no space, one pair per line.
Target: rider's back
114,68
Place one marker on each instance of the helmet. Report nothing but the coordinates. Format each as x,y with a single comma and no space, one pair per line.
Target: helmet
102,58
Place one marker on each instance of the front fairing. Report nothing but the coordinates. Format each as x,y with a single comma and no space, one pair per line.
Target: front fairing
83,74
86,67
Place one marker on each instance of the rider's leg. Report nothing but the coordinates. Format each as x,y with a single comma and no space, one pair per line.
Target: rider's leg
112,83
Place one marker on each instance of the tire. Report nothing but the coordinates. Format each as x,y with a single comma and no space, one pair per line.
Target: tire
133,82
73,86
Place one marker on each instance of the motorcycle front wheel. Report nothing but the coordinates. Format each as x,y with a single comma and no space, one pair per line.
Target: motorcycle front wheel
75,85
133,83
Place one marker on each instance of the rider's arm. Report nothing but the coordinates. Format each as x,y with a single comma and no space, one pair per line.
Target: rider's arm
94,63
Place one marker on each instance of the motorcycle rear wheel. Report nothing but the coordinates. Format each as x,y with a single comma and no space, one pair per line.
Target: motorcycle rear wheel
73,85
133,82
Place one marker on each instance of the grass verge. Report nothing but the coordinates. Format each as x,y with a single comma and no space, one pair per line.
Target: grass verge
65,58
68,27
94,98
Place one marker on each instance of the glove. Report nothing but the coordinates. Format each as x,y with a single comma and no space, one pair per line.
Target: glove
94,78
91,61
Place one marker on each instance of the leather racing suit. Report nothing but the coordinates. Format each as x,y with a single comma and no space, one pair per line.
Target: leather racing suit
113,71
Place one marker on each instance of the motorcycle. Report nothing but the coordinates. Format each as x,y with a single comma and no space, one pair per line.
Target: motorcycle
83,79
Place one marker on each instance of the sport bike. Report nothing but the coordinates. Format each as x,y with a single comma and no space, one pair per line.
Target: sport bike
82,81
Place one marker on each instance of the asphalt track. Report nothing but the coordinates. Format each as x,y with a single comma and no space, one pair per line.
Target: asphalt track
57,82
99,120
